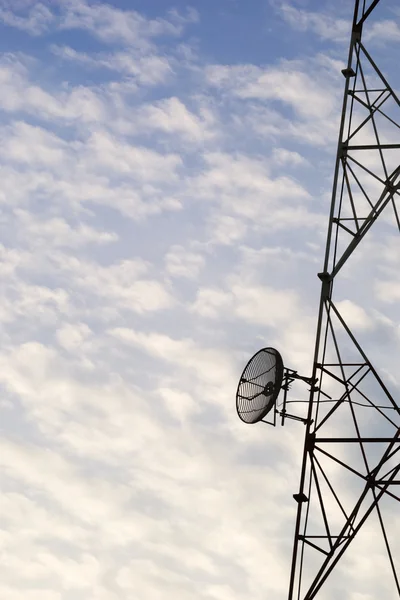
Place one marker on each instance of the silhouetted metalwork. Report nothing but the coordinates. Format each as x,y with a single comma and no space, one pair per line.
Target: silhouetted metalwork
259,385
350,463
344,447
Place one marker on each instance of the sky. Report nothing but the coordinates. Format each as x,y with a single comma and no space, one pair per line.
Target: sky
166,172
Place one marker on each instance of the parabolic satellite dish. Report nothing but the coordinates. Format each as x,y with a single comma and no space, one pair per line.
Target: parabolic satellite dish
259,385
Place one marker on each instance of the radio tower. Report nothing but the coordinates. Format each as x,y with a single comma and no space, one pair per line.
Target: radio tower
350,477
350,467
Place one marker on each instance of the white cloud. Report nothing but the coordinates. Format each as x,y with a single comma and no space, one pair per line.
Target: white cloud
20,95
58,232
101,168
119,285
388,291
38,20
209,364
243,184
104,151
255,304
291,99
148,69
226,229
47,471
333,28
244,194
100,514
180,262
326,26
282,156
354,315
113,25
172,116
180,404
11,593
265,305
106,22
71,336
10,259
43,305
212,302
25,144
270,124
383,32
289,83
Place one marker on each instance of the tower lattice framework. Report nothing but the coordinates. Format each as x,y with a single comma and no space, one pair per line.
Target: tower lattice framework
350,466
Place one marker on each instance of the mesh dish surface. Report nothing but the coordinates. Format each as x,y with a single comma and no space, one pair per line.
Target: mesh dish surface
259,385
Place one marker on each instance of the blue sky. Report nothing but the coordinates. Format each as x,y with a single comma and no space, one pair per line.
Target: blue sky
166,173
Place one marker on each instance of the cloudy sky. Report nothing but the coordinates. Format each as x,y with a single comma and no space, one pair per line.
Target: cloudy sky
165,184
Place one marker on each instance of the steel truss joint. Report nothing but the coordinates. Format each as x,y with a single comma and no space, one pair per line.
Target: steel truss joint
326,279
349,72
356,33
300,498
310,442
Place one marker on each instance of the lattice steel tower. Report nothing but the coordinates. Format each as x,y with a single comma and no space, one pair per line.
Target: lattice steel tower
350,465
